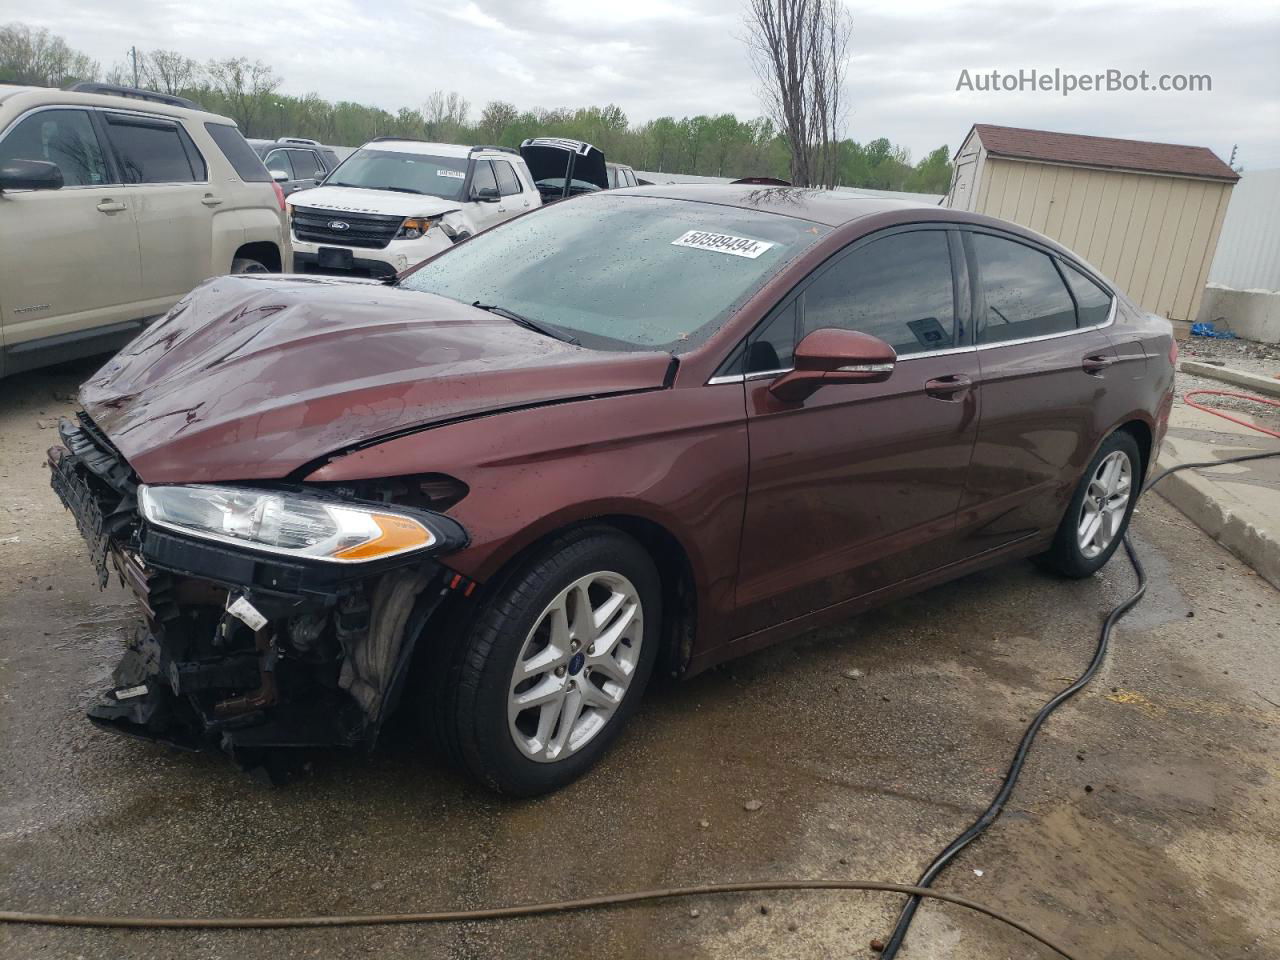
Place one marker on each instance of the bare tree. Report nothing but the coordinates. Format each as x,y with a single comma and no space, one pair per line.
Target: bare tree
40,58
496,116
168,71
245,85
799,50
445,114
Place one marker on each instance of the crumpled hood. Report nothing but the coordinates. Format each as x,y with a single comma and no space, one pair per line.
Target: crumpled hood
251,377
355,200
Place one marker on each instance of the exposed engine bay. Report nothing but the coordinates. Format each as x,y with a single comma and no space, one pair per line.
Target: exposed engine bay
240,649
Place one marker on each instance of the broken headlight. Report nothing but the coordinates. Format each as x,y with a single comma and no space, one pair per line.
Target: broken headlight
294,524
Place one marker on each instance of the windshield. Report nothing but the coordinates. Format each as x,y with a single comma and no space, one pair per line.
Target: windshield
402,172
622,272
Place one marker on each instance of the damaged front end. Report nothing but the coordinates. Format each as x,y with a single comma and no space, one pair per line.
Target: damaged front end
275,616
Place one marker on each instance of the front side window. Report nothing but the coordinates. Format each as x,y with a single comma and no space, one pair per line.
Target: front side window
402,172
1092,302
622,272
62,137
150,151
306,165
278,160
772,347
897,288
507,182
483,182
1025,293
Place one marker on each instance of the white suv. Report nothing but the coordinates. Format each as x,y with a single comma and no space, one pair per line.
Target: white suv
395,202
114,203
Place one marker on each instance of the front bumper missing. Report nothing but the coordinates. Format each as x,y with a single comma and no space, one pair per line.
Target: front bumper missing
323,666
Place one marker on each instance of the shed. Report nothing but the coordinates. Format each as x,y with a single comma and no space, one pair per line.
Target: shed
1146,214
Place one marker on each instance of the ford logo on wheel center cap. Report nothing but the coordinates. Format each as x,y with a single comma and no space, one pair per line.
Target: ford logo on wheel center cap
339,225
575,664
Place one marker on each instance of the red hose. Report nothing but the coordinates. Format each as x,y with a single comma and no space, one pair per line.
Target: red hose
1226,416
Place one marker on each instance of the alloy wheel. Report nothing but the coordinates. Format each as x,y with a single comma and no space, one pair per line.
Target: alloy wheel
1105,502
575,666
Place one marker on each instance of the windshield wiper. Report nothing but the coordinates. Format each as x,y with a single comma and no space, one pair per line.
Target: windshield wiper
522,321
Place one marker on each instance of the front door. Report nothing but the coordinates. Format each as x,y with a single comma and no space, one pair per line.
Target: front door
856,488
68,257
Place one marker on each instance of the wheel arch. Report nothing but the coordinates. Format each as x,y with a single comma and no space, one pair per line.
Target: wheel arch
264,251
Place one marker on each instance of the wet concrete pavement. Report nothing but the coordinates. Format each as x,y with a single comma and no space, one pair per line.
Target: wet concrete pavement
1147,823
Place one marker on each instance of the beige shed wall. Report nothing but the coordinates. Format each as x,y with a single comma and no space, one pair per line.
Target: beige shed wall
1154,236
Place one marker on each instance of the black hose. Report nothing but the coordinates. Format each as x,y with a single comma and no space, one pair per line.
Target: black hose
996,807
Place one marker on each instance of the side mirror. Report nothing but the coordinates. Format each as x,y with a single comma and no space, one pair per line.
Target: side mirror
485,194
279,176
829,356
30,175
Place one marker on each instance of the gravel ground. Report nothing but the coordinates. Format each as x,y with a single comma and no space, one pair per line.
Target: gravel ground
1147,823
1246,355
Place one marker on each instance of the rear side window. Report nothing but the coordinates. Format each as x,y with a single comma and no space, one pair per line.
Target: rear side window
247,164
1026,296
898,289
152,151
62,137
631,177
1092,302
507,182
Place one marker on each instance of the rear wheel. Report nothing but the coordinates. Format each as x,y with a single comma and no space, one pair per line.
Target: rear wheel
1099,512
553,664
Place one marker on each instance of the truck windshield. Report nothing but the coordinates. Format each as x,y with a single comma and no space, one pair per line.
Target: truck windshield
402,172
621,272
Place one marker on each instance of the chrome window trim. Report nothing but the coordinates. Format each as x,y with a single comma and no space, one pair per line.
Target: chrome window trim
30,111
973,348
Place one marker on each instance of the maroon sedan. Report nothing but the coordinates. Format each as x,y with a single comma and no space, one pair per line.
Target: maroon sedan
639,430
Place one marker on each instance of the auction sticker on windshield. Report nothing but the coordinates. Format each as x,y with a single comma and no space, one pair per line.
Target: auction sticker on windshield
455,174
723,243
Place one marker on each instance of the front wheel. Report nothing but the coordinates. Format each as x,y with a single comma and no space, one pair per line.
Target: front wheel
1099,512
553,664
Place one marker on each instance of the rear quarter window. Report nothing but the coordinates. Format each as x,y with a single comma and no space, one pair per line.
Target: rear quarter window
247,164
1093,303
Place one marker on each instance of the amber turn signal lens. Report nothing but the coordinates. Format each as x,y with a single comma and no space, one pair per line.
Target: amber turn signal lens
397,535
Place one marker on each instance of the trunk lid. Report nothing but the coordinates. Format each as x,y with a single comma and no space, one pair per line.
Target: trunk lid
252,377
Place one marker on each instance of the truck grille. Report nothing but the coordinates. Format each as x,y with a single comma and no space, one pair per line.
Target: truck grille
372,231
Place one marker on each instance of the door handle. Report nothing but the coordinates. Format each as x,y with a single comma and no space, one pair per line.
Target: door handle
209,200
950,387
1096,363
111,206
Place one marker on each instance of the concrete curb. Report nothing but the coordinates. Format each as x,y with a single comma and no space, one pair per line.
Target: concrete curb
1229,520
1239,378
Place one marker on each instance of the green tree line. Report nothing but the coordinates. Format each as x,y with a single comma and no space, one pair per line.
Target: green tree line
248,91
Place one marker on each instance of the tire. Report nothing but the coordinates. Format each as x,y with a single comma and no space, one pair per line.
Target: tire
1073,553
471,689
248,265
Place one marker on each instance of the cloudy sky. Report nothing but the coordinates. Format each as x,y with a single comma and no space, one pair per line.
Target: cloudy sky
655,57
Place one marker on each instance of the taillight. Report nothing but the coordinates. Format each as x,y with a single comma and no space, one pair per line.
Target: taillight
279,195
1173,352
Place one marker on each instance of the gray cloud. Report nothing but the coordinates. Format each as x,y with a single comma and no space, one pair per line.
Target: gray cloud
686,56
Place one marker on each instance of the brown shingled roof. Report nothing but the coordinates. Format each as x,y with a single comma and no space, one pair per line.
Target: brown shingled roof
1076,148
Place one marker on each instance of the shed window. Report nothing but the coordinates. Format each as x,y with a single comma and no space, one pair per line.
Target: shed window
1026,296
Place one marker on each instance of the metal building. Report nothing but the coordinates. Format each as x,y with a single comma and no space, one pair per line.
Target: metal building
1243,295
1147,215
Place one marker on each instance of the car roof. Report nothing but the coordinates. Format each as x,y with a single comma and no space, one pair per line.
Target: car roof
829,207
52,96
420,147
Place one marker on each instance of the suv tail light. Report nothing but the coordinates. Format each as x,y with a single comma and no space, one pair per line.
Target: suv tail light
279,195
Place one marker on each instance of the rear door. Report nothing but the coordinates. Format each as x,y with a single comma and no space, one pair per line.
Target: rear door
69,257
174,204
308,168
857,487
1046,364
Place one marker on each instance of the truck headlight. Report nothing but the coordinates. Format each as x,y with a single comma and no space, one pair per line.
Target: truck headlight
296,524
